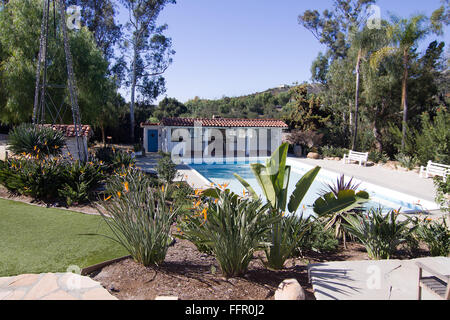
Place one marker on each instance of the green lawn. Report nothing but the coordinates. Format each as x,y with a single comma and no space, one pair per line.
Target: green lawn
37,240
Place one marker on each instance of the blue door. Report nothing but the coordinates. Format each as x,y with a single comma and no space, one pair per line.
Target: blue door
152,138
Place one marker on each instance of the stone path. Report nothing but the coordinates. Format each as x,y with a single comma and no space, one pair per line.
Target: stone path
52,286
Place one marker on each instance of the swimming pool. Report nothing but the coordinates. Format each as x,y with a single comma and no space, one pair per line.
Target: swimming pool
380,196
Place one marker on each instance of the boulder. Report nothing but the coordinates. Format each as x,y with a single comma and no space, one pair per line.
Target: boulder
313,155
290,289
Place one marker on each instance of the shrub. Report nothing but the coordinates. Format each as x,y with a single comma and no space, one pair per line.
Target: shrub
36,140
433,142
232,227
319,239
114,159
81,179
139,216
436,235
377,157
408,162
310,139
294,230
442,193
47,179
38,178
381,234
331,152
166,169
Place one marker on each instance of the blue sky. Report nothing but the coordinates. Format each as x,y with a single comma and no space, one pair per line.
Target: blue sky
238,47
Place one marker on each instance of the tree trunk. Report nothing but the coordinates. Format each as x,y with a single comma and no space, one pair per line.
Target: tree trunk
355,130
133,93
377,136
405,97
102,128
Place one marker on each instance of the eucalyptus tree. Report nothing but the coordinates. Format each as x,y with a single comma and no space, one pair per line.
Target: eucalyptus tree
150,50
99,16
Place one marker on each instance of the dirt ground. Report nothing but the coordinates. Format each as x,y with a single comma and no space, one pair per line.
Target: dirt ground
191,275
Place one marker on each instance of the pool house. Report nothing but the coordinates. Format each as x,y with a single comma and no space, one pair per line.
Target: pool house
216,138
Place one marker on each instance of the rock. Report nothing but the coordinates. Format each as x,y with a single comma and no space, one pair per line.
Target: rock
290,289
313,155
337,159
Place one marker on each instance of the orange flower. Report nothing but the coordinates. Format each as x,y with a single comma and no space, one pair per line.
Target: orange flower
126,186
119,193
205,213
107,198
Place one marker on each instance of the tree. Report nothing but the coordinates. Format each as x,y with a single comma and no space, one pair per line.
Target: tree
170,108
151,50
19,42
404,34
305,110
363,42
334,27
99,17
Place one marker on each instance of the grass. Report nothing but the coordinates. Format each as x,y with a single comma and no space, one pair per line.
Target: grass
38,240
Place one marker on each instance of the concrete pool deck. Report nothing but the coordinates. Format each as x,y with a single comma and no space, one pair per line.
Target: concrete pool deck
408,182
373,280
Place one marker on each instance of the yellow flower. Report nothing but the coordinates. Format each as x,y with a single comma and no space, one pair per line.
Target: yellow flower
162,188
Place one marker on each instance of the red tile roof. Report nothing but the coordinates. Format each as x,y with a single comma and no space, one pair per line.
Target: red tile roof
69,129
221,122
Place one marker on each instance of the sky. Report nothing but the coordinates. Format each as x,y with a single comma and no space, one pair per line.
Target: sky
239,47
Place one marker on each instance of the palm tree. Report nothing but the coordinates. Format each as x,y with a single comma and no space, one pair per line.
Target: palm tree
404,34
364,42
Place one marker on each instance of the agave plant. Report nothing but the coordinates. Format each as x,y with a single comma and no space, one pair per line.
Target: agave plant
336,202
340,185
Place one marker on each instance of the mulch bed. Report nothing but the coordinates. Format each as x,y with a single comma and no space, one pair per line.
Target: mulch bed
191,275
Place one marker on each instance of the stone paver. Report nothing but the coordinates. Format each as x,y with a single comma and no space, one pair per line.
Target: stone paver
52,286
372,280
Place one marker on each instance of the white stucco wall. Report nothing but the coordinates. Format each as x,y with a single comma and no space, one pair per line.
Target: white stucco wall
252,142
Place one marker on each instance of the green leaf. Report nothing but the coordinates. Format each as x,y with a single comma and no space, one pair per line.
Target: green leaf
301,188
247,186
265,183
346,201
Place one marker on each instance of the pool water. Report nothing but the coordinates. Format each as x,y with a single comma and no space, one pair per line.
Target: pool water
380,197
